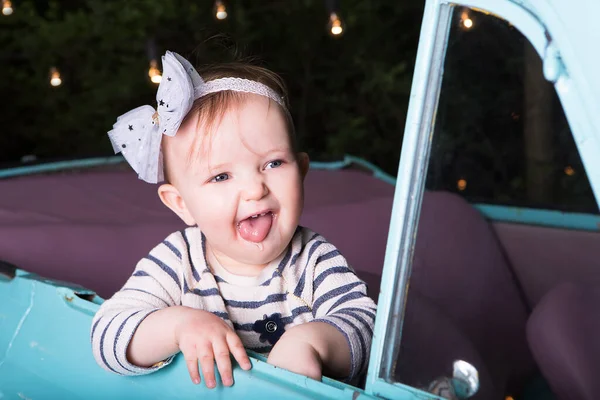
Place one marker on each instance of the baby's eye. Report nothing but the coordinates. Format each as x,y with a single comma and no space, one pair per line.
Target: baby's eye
274,164
220,178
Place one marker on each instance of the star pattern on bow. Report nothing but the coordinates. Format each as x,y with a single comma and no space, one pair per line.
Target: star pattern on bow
174,99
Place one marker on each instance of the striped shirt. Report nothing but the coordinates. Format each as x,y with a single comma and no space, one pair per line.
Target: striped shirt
310,281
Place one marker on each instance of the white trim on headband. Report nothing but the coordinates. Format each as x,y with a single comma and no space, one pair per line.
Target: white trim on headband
237,85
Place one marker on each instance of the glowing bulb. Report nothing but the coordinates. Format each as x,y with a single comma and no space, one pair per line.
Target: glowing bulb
55,77
466,20
7,7
154,72
461,184
569,170
336,24
221,11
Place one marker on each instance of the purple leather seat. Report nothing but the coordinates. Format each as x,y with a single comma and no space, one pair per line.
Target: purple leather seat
91,228
463,301
431,342
460,268
564,336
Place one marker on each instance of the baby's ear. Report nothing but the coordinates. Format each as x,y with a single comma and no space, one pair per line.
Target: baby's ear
303,163
171,198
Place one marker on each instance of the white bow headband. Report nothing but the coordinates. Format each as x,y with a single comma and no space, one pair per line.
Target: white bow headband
138,134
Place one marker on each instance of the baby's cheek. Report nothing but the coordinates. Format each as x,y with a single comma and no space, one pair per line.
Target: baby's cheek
214,220
290,187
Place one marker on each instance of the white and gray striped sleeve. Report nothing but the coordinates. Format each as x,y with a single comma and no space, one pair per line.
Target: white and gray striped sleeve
155,284
340,299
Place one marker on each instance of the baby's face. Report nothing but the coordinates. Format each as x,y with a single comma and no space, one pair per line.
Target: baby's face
244,187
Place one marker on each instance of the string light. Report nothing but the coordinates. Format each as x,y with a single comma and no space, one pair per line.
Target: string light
220,10
154,72
335,24
569,170
55,77
461,184
7,7
466,21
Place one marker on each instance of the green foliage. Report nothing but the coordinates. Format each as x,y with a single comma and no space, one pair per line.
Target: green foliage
348,94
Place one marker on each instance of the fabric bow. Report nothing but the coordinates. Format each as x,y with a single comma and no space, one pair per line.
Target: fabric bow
138,134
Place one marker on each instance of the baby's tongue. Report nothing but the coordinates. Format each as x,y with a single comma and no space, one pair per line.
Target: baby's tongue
256,229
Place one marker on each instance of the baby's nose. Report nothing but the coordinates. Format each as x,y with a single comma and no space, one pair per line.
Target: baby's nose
255,189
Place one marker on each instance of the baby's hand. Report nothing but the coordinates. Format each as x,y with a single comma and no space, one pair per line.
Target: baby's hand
204,337
296,355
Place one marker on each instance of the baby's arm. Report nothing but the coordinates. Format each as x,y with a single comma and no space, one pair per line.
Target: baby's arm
154,285
342,331
341,301
139,329
201,337
308,348
154,339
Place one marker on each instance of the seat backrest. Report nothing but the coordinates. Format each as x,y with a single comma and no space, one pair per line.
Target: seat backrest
543,257
459,265
563,333
459,270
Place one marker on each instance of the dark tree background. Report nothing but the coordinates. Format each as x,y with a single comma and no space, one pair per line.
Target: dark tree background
500,128
500,125
349,94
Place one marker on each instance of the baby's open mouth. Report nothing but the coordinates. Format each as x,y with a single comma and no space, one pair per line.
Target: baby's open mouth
256,227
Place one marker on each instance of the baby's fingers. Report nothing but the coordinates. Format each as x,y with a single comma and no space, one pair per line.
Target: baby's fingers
239,352
191,359
223,360
207,363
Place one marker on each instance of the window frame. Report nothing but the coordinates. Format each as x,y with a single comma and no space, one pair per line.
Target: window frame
416,148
